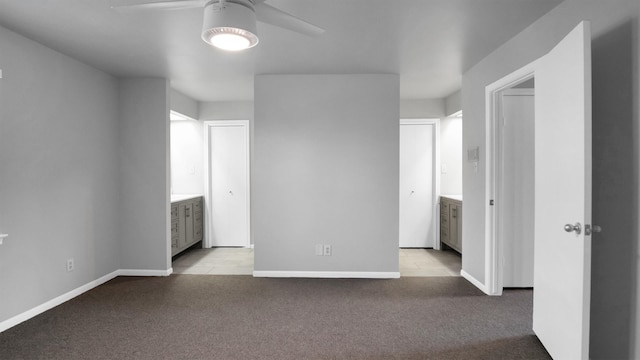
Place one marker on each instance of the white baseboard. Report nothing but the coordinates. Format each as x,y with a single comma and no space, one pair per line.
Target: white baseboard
141,272
328,274
475,282
11,322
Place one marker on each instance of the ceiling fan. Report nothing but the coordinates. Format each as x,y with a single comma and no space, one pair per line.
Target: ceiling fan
230,24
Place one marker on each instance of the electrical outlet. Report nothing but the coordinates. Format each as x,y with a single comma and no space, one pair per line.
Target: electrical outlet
319,250
327,250
70,265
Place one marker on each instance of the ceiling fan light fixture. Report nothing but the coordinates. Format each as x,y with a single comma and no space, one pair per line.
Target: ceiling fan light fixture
231,39
231,27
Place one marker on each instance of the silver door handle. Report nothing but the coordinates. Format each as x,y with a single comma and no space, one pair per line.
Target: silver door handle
577,228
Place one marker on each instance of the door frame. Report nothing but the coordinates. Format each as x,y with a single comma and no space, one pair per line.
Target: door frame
493,105
435,175
208,242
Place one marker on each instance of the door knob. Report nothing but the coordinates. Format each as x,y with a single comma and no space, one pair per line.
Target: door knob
592,229
577,228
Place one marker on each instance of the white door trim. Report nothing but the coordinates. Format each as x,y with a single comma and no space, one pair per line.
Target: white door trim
493,247
435,173
208,242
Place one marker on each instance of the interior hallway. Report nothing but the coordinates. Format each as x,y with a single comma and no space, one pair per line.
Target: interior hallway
239,261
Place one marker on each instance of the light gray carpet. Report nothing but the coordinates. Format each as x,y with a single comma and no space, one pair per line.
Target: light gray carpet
240,317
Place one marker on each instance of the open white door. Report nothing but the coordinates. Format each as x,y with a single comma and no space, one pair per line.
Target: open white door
562,259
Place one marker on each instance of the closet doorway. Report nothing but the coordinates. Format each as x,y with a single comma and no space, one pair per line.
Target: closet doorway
418,183
227,187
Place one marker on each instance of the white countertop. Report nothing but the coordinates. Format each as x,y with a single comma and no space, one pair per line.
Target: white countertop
454,197
180,197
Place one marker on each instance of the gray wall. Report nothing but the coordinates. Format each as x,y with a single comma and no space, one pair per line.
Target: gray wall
422,109
184,104
325,171
615,145
84,159
59,174
144,173
453,103
226,110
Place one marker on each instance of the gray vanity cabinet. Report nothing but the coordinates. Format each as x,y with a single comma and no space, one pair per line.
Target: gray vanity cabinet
186,224
451,223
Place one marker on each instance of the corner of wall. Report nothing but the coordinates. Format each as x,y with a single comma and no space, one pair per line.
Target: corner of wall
183,104
453,103
55,157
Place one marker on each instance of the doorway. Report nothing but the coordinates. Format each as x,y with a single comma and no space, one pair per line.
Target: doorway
227,196
511,182
419,183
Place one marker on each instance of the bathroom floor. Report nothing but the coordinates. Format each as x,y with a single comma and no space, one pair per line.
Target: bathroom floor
429,262
239,261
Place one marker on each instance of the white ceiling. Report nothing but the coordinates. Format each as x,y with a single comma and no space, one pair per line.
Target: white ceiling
430,43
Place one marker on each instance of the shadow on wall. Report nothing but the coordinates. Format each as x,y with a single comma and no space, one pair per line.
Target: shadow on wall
615,207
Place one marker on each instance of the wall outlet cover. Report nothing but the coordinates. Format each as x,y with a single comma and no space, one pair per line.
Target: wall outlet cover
70,265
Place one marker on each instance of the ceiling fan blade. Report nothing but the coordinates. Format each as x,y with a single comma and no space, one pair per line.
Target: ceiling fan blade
127,6
270,15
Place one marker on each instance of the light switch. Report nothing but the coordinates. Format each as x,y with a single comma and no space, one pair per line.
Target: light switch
2,237
443,168
473,154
